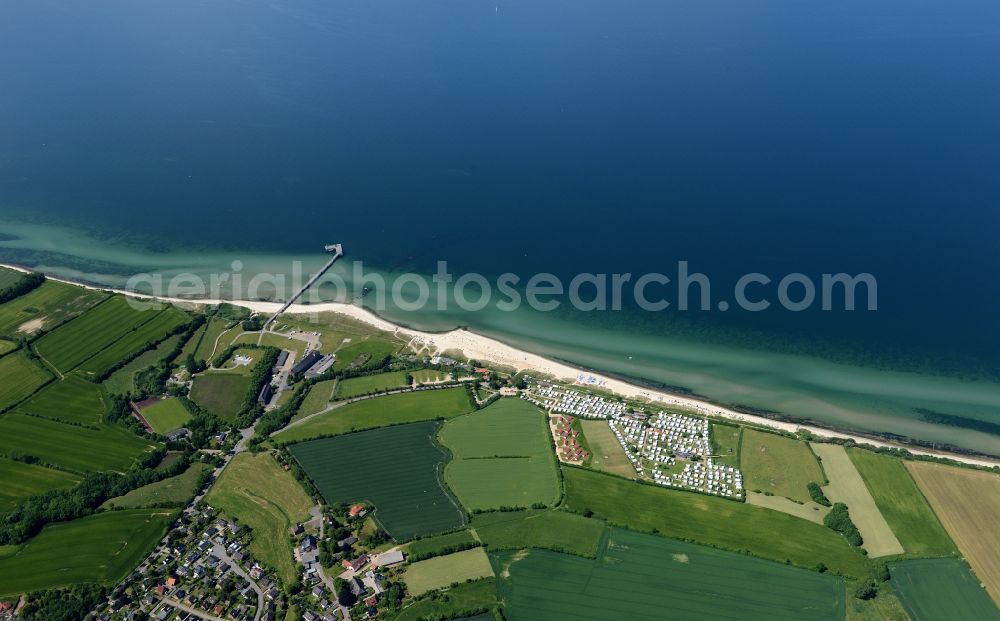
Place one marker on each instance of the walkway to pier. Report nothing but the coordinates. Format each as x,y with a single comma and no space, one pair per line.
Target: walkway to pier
338,251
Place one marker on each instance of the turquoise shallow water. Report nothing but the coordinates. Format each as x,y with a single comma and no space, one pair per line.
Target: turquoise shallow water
551,136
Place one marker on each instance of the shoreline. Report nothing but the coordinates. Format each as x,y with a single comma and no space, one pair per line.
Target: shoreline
479,347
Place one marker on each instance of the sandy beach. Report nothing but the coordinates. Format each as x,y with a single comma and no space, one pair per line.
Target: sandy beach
488,350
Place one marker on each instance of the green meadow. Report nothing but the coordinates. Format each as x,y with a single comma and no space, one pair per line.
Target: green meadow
941,589
501,457
397,469
777,464
396,409
45,307
362,352
638,576
122,381
456,603
710,520
166,415
19,378
154,330
318,399
442,571
367,384
726,444
549,529
72,400
100,548
175,491
207,346
434,546
221,392
22,480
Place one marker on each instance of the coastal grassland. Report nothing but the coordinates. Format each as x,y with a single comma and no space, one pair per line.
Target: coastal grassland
726,444
501,457
73,400
460,601
175,491
9,277
69,345
941,588
434,546
549,529
21,480
45,307
213,330
430,376
777,464
396,468
441,571
361,352
902,503
968,503
166,415
846,486
154,330
649,577
366,384
84,449
255,490
807,511
710,520
408,407
318,398
221,392
122,381
191,345
99,548
274,340
606,453
19,378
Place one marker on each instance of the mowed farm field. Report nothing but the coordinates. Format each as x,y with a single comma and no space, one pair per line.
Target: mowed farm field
903,504
21,480
154,330
776,464
74,342
441,571
647,577
941,589
100,548
968,503
847,486
397,469
44,308
366,384
396,409
166,415
606,453
256,491
710,520
550,529
19,377
221,392
73,400
501,457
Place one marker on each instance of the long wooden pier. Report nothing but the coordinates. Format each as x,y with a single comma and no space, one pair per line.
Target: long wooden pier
338,251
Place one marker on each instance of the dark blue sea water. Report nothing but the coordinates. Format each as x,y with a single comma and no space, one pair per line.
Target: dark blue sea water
585,136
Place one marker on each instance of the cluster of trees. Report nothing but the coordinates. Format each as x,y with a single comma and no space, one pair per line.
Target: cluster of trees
458,547
252,324
31,514
839,519
867,587
817,495
25,284
63,604
261,375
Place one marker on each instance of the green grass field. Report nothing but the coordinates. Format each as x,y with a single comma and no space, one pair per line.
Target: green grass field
478,595
501,457
439,572
726,444
166,415
21,480
357,386
640,576
318,398
941,589
902,504
9,277
359,353
274,340
100,548
429,376
178,490
45,307
19,378
776,464
549,529
381,411
221,392
72,399
153,330
191,345
255,490
71,344
7,346
78,448
433,546
214,328
397,469
607,453
122,381
710,520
